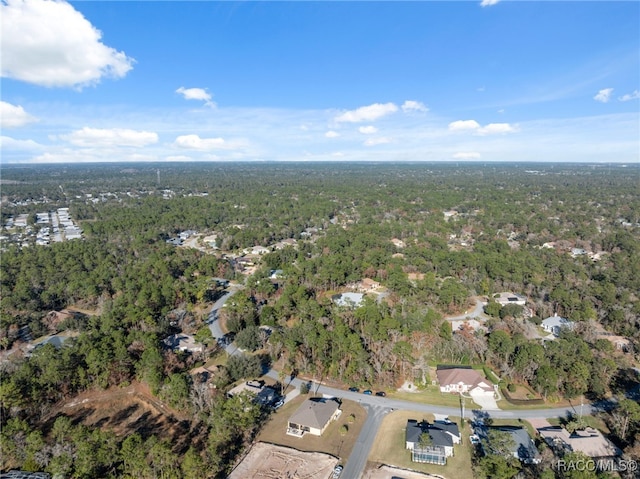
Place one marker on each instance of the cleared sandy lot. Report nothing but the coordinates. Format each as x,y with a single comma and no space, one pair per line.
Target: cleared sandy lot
268,461
387,472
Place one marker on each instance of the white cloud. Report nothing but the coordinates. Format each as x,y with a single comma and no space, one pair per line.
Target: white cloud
411,106
488,3
497,128
6,142
110,137
368,130
194,142
13,116
377,141
49,43
178,158
474,126
464,125
467,155
604,95
332,134
200,94
367,113
630,96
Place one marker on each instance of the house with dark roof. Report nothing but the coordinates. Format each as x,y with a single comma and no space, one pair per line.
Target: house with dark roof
443,435
313,416
523,448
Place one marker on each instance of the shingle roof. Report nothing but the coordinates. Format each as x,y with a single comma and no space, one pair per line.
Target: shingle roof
315,413
461,375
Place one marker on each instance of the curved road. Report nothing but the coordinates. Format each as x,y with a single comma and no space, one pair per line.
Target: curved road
477,312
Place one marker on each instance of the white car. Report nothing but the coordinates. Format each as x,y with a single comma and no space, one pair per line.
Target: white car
337,471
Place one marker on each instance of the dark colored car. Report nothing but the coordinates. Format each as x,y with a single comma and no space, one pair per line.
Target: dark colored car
368,392
381,393
354,389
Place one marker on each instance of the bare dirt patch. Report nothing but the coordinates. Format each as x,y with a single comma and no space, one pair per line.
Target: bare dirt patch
274,462
387,472
128,410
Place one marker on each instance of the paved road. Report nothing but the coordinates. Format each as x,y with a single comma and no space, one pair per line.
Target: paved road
477,312
214,324
358,458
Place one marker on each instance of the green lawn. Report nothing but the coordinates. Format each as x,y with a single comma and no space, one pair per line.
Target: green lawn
506,405
432,395
389,448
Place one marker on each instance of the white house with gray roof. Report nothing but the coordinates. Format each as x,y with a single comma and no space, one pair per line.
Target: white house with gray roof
555,324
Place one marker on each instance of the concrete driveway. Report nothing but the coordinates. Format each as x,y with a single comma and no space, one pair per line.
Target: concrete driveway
487,403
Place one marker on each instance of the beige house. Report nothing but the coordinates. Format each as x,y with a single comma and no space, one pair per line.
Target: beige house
590,442
313,417
462,380
368,285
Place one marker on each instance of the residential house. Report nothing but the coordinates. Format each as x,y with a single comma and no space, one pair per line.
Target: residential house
463,380
590,442
443,435
523,448
349,300
509,298
183,342
13,474
313,416
368,285
555,324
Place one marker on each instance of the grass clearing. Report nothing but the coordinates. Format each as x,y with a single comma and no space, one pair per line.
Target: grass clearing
432,395
331,442
389,448
591,421
506,405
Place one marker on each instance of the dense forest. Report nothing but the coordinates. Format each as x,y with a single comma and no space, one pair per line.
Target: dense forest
434,236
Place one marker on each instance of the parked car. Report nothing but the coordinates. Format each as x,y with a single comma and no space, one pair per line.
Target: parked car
354,389
381,393
278,404
337,471
368,392
473,439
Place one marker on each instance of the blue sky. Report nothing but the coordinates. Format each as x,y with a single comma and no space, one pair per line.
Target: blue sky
344,81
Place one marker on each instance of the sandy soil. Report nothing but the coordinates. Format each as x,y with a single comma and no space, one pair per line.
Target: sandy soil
127,410
387,472
268,461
